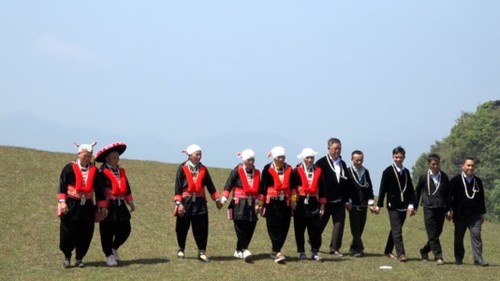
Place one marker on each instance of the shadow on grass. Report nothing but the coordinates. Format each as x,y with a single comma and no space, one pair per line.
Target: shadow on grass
129,262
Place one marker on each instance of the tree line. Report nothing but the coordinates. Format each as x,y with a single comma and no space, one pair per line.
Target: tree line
477,135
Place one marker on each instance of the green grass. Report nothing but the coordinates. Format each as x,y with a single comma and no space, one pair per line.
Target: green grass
30,236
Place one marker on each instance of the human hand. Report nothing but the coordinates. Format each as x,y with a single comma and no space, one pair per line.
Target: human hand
63,208
219,204
104,212
449,215
257,209
132,206
180,210
348,206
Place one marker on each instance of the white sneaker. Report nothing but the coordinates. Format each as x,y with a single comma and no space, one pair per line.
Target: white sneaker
202,257
246,254
180,254
111,260
66,263
115,253
280,258
316,257
238,254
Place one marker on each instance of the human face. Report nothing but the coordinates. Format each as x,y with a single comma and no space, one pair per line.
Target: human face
468,167
398,159
334,150
279,160
309,161
195,157
113,158
85,156
357,160
249,162
434,166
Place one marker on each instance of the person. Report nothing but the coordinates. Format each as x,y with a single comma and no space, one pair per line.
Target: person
362,183
310,193
397,185
77,185
277,191
243,182
115,228
434,191
338,194
468,209
191,204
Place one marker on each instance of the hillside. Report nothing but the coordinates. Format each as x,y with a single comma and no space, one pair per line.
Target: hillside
30,235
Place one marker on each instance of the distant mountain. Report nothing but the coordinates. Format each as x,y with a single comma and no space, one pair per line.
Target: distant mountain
23,129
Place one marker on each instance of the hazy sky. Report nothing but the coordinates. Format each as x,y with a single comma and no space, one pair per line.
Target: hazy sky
376,74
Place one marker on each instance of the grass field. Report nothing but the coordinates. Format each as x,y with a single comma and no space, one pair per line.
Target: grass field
30,236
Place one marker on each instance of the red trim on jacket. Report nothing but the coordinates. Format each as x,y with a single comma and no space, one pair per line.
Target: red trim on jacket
254,189
307,188
278,188
276,179
117,188
89,184
192,186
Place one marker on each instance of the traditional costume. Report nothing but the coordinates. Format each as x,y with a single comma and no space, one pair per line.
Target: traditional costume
337,193
362,184
115,228
190,181
76,206
277,187
397,185
310,192
434,192
243,183
467,195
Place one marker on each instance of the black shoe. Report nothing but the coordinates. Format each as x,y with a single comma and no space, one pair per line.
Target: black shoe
458,262
481,263
424,255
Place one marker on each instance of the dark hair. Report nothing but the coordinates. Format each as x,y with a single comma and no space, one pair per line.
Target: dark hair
468,158
433,157
356,152
332,141
399,149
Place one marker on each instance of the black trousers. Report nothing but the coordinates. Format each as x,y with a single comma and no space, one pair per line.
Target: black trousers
395,239
200,230
357,220
473,223
434,221
337,212
113,235
278,217
300,225
75,235
244,232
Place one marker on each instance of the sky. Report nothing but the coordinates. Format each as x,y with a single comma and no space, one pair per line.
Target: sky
376,74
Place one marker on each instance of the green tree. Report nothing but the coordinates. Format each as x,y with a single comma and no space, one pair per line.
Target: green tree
477,135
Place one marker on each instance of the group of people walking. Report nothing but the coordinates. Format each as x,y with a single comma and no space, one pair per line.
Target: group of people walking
80,183
311,193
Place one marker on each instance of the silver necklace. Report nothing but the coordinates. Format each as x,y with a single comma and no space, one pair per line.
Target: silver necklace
429,184
474,188
402,191
353,171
